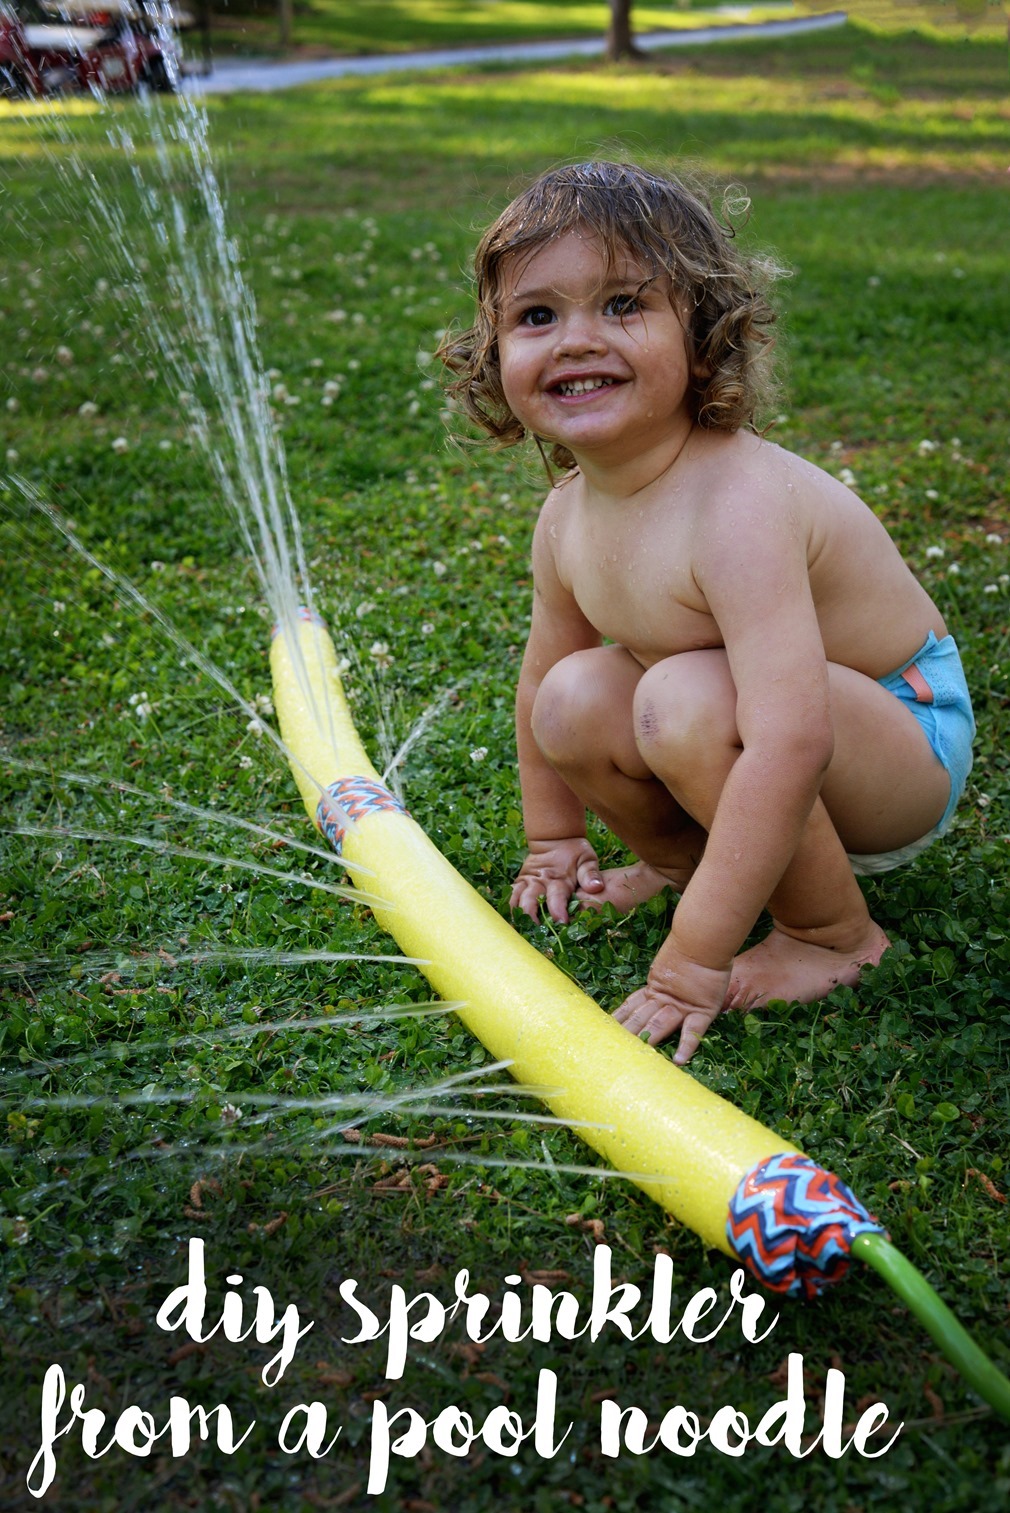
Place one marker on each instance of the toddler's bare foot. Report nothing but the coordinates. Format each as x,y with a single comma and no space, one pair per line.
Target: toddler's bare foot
781,967
626,887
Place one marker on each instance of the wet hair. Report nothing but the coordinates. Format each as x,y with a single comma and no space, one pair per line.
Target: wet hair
665,226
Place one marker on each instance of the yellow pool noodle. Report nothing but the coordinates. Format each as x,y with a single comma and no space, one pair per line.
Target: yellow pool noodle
683,1145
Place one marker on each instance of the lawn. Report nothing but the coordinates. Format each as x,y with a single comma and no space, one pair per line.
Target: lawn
375,26
174,1061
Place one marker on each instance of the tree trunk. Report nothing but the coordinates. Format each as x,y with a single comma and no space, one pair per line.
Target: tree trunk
286,18
619,42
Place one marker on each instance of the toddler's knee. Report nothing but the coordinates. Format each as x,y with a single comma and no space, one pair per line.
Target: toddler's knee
682,703
568,707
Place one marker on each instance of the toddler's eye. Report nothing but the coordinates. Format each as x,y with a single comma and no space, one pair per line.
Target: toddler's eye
622,304
537,315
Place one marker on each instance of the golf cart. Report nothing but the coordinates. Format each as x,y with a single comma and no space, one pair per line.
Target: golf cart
115,46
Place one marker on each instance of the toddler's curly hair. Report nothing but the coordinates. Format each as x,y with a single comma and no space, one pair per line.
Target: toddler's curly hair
662,224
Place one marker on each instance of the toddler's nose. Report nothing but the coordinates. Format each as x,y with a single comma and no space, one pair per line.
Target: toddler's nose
580,333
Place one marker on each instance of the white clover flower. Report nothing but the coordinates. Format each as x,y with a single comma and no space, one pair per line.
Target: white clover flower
932,494
143,709
1003,578
40,374
427,628
953,570
934,551
13,405
478,754
439,569
836,446
926,447
990,588
263,703
87,409
848,477
164,445
120,445
64,356
332,387
13,454
993,540
873,281
245,761
364,608
230,1113
255,727
380,654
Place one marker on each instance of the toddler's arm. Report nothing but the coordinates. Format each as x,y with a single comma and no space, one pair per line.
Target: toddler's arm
751,566
561,860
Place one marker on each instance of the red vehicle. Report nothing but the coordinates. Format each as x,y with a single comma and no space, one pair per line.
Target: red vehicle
112,47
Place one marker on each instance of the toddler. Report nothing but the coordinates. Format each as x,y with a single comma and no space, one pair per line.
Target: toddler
728,660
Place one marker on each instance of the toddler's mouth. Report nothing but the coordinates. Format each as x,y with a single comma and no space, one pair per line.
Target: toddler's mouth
572,386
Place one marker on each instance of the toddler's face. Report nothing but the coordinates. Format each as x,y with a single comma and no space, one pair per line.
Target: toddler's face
592,355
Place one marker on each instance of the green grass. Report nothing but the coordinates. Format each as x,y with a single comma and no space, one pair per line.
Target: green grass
378,26
876,171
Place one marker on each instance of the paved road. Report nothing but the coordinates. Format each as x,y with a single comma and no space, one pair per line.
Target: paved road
237,74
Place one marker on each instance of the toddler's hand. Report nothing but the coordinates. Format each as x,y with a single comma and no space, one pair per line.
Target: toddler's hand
554,870
678,994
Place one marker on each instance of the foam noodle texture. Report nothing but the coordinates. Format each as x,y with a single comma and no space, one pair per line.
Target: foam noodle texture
686,1147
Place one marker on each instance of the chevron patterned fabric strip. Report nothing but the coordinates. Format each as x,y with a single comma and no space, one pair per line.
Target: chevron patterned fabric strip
792,1225
351,799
